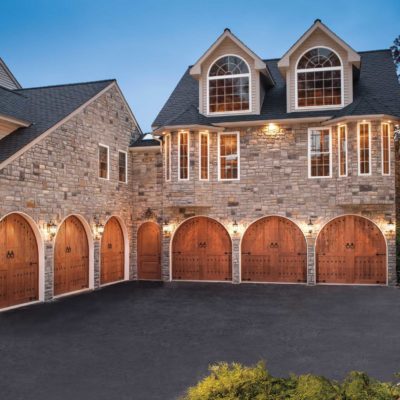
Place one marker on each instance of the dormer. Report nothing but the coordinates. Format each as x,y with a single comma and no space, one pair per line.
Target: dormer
231,78
9,124
319,71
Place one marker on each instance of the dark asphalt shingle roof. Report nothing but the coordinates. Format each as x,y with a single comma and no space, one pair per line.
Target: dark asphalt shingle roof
43,107
376,91
142,141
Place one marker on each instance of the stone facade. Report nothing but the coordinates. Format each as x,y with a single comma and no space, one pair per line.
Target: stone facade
274,181
58,177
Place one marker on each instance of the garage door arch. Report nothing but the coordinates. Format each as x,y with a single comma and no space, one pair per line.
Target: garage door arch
274,250
351,249
149,251
21,261
201,250
73,256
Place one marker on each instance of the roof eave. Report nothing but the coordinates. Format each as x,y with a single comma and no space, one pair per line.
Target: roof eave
349,118
168,128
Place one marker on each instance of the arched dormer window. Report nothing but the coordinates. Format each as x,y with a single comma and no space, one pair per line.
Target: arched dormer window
319,79
229,85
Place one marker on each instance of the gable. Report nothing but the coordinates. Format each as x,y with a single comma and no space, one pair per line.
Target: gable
7,79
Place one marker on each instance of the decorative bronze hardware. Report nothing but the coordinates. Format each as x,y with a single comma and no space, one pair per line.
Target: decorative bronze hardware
274,245
109,245
349,245
202,245
68,249
10,254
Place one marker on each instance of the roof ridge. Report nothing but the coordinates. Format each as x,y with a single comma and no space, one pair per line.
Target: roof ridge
65,84
14,91
373,51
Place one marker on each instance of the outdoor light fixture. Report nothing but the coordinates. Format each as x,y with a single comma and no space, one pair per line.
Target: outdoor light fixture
391,225
51,229
273,129
99,227
310,226
167,229
235,227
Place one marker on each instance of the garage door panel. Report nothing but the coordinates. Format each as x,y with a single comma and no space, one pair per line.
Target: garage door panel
332,268
186,267
369,269
274,250
149,251
217,267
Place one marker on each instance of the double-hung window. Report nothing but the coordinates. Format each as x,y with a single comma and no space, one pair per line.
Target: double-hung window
183,146
364,148
320,153
122,166
167,157
385,143
204,155
104,161
342,149
228,156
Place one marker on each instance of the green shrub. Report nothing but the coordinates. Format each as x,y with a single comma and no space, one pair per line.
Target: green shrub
237,382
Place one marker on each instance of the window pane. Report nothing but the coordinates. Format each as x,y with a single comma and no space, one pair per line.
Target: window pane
103,162
364,150
320,156
342,151
167,157
204,156
385,149
183,155
122,167
229,156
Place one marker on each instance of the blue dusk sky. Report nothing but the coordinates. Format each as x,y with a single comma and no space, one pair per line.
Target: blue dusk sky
147,45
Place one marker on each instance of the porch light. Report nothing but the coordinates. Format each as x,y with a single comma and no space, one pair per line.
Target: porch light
310,226
99,228
273,129
235,227
51,229
167,229
390,225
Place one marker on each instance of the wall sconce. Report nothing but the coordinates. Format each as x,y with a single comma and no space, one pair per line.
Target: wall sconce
390,225
273,129
167,229
235,227
99,230
51,229
310,226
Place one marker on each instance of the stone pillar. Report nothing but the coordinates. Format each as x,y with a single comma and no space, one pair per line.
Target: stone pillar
165,258
96,263
311,267
391,245
48,270
236,259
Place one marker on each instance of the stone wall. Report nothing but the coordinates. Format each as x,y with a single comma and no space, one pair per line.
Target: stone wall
58,177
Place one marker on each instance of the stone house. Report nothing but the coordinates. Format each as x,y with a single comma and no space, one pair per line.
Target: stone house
277,171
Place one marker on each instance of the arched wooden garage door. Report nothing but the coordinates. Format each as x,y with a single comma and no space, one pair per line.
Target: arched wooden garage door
202,250
351,249
274,250
19,262
112,257
71,257
149,251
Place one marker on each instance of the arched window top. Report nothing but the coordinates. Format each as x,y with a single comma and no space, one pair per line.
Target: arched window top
229,65
319,57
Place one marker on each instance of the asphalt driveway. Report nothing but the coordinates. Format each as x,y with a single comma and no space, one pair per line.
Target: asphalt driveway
141,341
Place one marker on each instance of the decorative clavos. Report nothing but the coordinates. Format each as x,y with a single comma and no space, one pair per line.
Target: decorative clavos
51,229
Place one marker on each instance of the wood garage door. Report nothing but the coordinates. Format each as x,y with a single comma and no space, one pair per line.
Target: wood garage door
202,250
112,253
71,257
351,249
19,262
149,251
274,250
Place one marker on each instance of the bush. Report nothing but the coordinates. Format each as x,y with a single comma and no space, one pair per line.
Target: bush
237,382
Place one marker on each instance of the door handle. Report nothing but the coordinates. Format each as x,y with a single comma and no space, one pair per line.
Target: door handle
10,254
202,245
68,249
274,245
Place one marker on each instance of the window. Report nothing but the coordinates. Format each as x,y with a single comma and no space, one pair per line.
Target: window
319,79
204,148
122,166
320,150
167,157
364,148
103,161
342,150
385,149
228,156
229,85
183,155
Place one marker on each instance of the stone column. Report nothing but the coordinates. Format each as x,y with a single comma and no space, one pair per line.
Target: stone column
165,257
236,259
311,270
48,270
96,263
391,245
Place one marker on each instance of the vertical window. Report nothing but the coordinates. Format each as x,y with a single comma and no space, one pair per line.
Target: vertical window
320,149
385,149
122,166
204,155
103,161
183,155
342,150
364,148
167,157
228,149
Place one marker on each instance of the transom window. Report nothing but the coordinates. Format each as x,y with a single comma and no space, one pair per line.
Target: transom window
319,79
228,160
229,85
320,151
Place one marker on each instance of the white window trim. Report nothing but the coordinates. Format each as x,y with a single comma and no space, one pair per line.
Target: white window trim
389,157
167,153
346,151
219,155
359,150
126,166
108,162
309,152
296,71
208,78
179,156
208,155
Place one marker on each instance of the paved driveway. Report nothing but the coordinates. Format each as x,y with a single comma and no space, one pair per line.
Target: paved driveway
141,341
